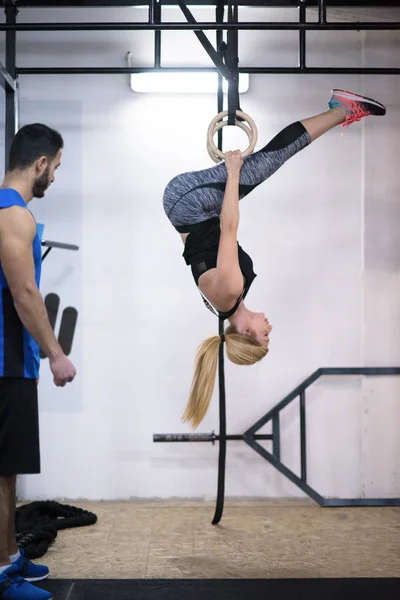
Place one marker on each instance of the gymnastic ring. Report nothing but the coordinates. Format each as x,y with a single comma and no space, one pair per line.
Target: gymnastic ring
217,123
242,126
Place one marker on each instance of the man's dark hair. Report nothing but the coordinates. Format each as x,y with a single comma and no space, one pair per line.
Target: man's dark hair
30,143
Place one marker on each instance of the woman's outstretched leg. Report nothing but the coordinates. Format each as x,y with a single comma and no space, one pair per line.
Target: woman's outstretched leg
344,108
320,124
262,164
197,196
259,166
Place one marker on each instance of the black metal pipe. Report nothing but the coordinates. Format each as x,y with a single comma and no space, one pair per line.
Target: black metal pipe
219,18
250,70
254,26
320,71
60,245
258,3
157,49
321,11
46,253
303,437
16,104
276,432
342,502
151,10
11,93
157,35
232,62
302,35
202,437
365,371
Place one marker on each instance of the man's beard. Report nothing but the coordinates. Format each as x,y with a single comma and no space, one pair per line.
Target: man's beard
41,184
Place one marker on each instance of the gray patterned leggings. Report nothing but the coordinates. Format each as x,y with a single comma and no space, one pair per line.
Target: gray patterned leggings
194,197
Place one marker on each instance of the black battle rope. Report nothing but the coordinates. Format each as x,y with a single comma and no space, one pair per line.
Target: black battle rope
36,524
219,509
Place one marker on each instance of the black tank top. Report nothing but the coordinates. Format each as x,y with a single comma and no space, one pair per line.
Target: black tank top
201,251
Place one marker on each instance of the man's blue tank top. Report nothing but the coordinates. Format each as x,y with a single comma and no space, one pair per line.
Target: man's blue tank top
19,352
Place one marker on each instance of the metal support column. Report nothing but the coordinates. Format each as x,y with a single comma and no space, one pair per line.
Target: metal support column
302,34
322,12
11,116
303,437
157,35
219,18
232,62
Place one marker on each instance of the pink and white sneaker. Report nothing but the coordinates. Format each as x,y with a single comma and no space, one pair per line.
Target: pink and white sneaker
356,107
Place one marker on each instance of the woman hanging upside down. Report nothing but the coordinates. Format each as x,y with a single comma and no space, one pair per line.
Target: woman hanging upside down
203,206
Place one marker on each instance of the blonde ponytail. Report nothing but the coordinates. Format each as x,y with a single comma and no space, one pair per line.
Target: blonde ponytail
241,349
203,381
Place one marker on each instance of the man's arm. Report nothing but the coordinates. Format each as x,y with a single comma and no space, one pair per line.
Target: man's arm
17,232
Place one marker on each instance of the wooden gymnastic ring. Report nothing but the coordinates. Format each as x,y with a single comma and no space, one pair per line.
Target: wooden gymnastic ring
217,123
220,125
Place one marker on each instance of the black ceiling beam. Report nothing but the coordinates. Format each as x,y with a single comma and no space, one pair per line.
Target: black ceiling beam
260,3
250,70
209,26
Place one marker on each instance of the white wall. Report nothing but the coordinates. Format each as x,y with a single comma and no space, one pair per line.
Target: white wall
323,234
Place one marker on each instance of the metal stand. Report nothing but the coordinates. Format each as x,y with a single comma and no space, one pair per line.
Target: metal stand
9,80
252,439
50,245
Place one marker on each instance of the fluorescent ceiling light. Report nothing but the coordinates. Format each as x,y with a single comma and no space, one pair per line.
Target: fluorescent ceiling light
182,82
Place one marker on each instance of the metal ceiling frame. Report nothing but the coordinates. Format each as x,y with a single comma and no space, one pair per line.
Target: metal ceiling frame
10,73
254,3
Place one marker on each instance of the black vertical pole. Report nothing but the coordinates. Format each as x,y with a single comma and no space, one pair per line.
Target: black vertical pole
302,34
233,63
151,11
11,95
219,509
303,438
276,432
220,99
157,35
322,11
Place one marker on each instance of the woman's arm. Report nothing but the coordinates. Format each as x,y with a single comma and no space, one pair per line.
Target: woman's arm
229,278
229,218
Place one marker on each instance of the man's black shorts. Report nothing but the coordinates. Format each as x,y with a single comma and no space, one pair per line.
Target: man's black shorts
19,427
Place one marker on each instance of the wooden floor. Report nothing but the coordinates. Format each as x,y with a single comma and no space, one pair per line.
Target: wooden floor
291,539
